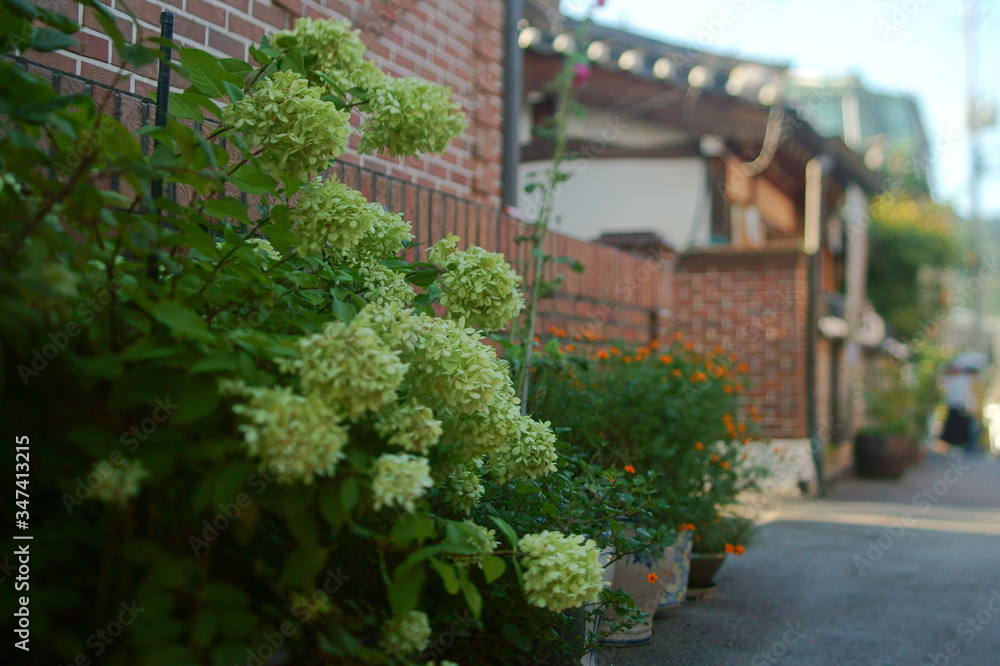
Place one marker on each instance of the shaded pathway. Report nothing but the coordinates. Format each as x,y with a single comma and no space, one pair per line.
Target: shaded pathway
880,573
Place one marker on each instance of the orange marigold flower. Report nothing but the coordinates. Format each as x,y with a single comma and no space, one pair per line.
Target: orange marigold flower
743,367
561,333
569,348
742,427
727,388
553,329
740,550
730,548
715,457
718,349
615,351
603,354
630,469
732,358
537,341
642,350
652,578
666,358
719,371
577,337
689,346
677,372
699,446
724,464
746,440
655,344
697,537
678,336
627,359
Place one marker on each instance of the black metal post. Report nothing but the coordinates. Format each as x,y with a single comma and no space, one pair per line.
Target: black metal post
163,87
513,83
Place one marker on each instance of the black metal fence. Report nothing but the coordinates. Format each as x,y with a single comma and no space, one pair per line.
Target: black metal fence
434,214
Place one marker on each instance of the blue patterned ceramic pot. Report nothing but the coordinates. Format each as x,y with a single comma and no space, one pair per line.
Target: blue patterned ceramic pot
676,569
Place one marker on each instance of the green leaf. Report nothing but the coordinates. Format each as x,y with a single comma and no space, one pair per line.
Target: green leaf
493,567
507,530
448,575
348,494
47,39
183,108
259,56
180,320
404,592
252,180
423,278
228,207
302,565
204,71
235,94
472,596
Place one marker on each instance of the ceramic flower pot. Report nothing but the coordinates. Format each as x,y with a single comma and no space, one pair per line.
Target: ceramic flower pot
592,627
674,577
880,456
633,574
704,566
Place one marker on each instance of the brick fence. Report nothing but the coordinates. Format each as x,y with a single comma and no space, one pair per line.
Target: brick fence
752,303
458,44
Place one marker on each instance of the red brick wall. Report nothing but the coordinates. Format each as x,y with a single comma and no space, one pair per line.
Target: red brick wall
753,303
457,43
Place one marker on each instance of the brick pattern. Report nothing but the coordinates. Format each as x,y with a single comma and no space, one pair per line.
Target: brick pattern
753,304
456,43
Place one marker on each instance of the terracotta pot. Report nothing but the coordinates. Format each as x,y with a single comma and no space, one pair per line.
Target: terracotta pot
881,456
674,578
704,566
632,575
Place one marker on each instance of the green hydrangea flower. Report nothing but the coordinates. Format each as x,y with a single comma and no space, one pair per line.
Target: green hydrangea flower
298,133
560,571
384,285
339,53
407,634
400,480
479,537
462,489
409,116
350,368
295,437
411,426
479,286
119,482
531,455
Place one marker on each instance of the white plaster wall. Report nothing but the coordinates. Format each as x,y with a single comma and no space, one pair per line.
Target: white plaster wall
664,195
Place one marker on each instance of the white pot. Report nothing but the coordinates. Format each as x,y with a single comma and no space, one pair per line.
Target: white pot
632,575
592,627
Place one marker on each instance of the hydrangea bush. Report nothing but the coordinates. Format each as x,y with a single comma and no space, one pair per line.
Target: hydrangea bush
254,423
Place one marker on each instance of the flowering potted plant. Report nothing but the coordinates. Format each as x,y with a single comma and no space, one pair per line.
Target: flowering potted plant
715,539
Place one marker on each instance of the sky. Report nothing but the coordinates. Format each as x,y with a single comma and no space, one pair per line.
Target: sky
896,46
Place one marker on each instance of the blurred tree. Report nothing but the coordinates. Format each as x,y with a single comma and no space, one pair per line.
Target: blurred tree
913,241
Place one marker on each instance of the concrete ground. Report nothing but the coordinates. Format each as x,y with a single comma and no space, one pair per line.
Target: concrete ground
881,572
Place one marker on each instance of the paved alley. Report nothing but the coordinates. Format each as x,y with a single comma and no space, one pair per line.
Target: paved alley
881,572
